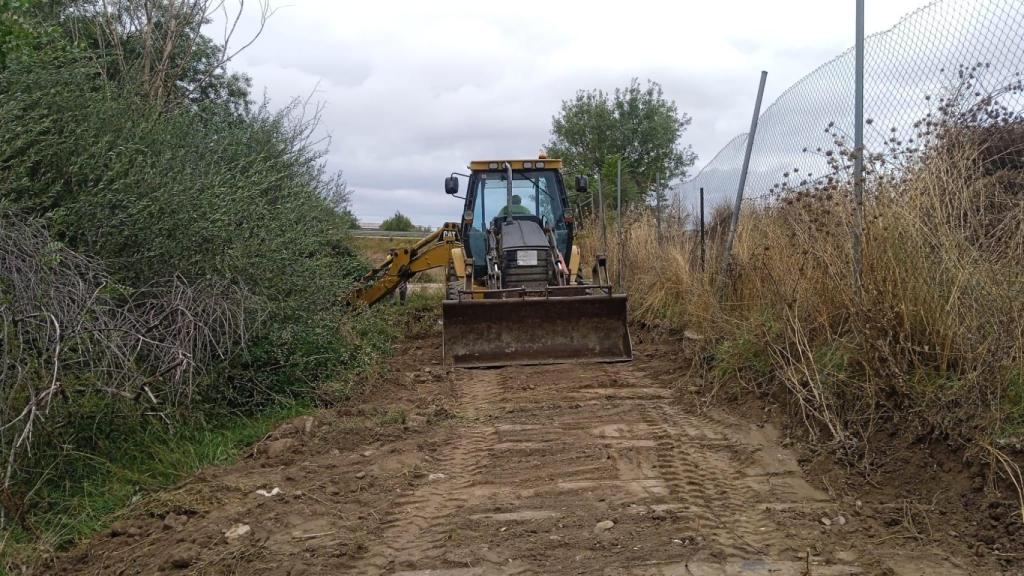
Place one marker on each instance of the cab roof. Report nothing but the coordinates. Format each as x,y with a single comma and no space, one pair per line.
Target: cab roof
527,164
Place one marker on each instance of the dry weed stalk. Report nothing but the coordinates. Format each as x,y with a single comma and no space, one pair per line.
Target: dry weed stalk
1013,472
936,343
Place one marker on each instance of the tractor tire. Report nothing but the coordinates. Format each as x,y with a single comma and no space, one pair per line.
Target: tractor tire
452,286
452,291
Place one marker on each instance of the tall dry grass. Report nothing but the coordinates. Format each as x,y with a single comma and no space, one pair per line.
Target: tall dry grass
934,342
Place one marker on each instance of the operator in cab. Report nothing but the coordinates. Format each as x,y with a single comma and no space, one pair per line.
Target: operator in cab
517,208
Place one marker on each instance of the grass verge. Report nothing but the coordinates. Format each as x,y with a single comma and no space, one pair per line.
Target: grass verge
131,455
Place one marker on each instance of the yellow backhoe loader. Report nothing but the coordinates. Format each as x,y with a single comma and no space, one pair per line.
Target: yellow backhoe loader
514,292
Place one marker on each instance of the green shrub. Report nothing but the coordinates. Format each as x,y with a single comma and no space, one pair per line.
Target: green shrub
204,193
398,223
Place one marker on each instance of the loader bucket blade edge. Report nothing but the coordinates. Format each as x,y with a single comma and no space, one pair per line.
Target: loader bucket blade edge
479,333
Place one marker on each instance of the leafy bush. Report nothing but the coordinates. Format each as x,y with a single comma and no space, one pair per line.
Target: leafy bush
398,223
204,193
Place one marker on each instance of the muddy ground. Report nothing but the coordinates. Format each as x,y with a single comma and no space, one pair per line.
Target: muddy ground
571,469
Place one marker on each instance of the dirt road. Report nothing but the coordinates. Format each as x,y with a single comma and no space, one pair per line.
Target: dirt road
572,469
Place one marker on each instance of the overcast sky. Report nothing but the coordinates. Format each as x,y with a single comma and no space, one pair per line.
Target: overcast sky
414,90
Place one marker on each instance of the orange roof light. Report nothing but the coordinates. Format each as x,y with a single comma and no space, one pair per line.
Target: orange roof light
498,165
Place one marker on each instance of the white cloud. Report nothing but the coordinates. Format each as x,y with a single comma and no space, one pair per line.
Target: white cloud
414,90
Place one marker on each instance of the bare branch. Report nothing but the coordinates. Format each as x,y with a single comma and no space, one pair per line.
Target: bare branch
266,12
61,322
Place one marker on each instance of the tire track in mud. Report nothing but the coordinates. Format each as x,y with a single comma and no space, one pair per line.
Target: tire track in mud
693,468
547,452
700,480
646,456
416,527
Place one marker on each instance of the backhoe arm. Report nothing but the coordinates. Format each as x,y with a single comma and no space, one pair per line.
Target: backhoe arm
434,251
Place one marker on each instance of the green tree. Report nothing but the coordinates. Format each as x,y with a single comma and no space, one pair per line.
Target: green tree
636,124
155,47
24,29
609,172
398,223
349,219
339,197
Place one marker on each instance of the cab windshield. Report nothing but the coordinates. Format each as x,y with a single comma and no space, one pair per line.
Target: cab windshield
534,193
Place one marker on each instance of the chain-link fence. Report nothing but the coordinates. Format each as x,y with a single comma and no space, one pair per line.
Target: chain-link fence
909,71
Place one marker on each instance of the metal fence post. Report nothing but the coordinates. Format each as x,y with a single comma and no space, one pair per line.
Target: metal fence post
703,251
743,179
657,206
618,218
604,223
858,154
680,214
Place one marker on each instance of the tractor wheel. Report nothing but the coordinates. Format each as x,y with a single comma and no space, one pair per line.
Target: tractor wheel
453,286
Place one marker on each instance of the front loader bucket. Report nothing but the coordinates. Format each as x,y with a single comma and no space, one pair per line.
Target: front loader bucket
536,331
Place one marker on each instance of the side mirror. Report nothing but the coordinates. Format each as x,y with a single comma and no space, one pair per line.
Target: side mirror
581,184
451,185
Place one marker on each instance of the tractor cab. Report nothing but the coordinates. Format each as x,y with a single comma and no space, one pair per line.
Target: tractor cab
536,208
